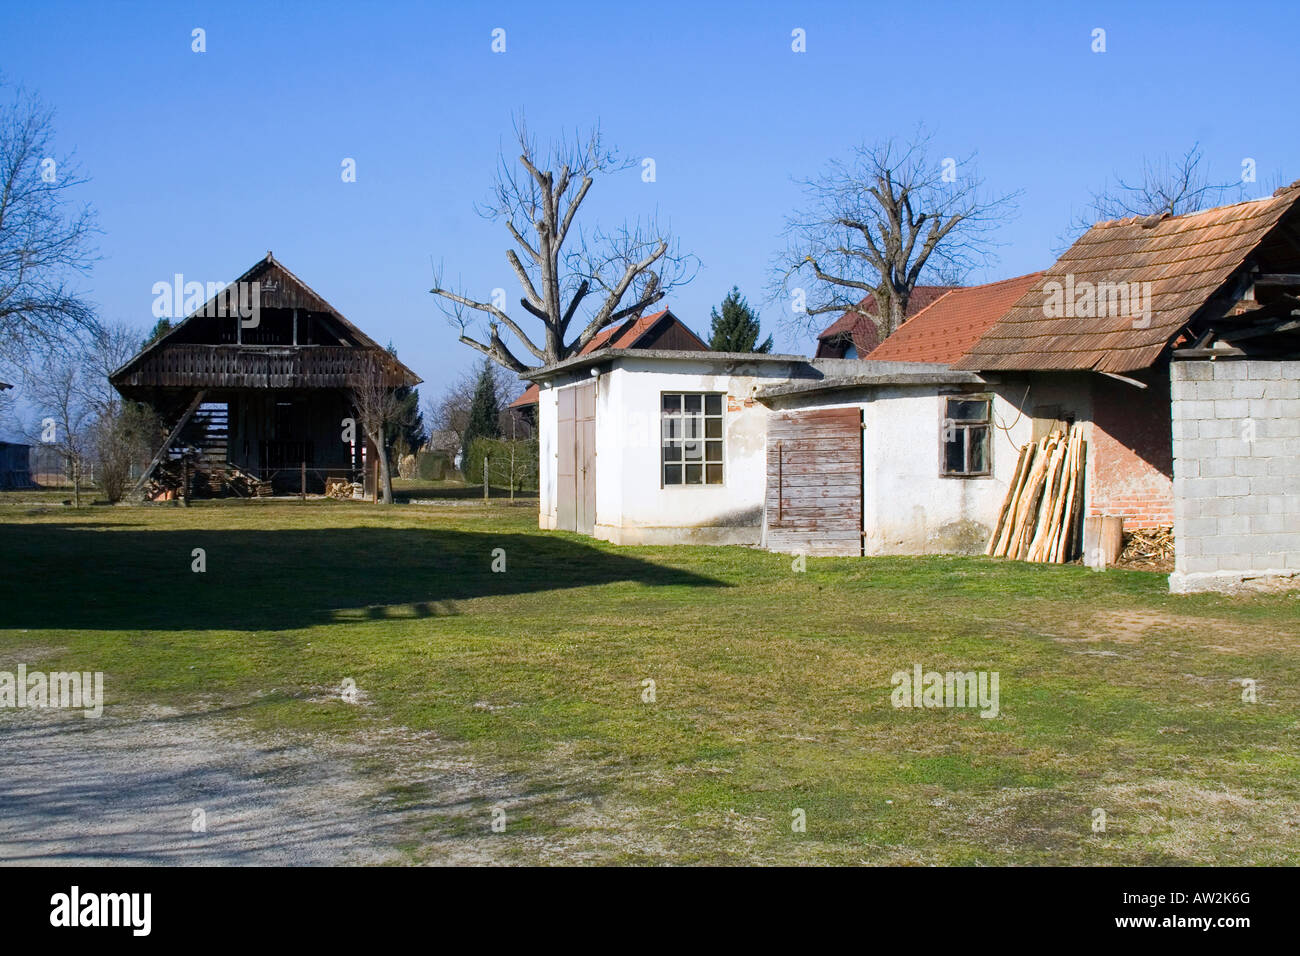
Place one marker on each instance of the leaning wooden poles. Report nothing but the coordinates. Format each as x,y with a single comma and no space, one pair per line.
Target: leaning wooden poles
1039,517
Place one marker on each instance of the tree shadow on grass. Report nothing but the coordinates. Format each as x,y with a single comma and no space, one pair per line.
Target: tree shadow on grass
59,576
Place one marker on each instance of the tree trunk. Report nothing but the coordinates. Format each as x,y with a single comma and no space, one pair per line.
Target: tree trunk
385,478
76,484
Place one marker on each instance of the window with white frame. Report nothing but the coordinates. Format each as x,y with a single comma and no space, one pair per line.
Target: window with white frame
692,438
964,439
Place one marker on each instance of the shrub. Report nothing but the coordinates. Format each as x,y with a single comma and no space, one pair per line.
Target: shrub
432,465
518,473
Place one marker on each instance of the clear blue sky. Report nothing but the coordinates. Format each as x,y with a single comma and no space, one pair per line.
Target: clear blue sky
202,162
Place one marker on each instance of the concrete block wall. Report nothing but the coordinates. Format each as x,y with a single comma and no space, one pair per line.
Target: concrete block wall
1236,444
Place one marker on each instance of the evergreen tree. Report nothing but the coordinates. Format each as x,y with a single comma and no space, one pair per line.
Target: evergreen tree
410,434
736,329
484,413
161,328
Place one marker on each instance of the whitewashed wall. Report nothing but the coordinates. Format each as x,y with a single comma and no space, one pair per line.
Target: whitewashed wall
908,506
631,507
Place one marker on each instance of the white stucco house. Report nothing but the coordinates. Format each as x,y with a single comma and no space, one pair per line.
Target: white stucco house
1188,402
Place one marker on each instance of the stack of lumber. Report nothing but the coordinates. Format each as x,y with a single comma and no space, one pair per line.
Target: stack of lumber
1039,520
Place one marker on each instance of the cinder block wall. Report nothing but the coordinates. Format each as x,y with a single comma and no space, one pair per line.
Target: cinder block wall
1236,430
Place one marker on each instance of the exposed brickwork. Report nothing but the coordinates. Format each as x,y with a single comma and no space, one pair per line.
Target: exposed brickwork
1131,451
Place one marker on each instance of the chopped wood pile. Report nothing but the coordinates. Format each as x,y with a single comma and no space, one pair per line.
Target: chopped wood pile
1039,520
1149,548
342,489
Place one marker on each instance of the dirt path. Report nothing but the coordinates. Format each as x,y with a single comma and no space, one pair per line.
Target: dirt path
124,790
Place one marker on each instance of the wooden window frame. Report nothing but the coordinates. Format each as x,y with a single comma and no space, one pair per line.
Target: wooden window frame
703,417
945,423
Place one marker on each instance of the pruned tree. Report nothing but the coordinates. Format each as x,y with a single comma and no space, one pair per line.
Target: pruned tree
874,225
45,238
574,283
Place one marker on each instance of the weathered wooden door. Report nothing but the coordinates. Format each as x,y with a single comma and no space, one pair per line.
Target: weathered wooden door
585,458
575,446
814,481
566,463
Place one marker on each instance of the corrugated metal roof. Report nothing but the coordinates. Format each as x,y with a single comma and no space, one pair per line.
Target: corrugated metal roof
1186,260
945,329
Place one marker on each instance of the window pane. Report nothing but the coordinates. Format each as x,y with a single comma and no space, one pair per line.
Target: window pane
713,474
672,474
713,404
713,428
978,441
695,474
954,453
713,451
672,429
694,450
692,402
672,451
964,410
693,427
672,403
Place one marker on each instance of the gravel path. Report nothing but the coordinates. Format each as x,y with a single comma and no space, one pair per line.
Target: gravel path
123,790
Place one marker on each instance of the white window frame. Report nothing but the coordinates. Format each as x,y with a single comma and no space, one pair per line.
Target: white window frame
703,417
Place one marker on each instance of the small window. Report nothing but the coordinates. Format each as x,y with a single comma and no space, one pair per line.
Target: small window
965,436
692,438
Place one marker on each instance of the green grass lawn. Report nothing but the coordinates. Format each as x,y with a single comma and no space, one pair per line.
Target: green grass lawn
773,687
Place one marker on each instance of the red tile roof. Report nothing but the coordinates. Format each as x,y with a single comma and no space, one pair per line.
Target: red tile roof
625,335
946,329
862,331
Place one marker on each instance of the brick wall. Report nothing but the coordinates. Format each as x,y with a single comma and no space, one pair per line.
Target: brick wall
1236,445
1130,451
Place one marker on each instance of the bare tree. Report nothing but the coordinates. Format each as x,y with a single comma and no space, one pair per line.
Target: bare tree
64,419
538,202
1168,186
379,412
122,433
44,238
876,224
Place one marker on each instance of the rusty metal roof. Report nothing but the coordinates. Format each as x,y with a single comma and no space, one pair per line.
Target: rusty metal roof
1186,259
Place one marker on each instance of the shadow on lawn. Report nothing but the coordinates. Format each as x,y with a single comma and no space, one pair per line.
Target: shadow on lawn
62,576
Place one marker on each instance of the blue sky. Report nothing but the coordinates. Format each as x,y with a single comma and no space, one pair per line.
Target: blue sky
200,163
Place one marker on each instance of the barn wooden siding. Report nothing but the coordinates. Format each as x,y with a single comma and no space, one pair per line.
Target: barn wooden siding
814,481
234,366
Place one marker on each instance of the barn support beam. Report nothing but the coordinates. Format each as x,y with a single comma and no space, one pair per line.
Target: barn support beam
171,437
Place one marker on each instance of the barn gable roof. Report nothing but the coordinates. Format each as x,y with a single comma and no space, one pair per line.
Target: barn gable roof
280,288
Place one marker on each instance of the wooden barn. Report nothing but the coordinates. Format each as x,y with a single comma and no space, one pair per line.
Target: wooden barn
254,388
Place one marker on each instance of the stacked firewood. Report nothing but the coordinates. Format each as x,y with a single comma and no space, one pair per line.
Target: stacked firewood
1148,547
1039,520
